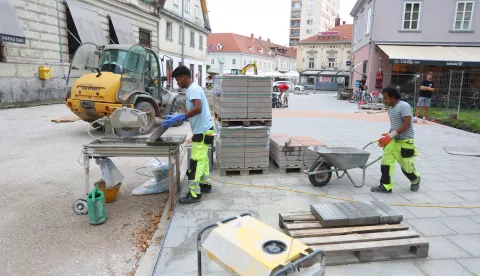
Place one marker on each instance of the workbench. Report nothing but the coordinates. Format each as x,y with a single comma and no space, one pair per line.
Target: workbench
165,146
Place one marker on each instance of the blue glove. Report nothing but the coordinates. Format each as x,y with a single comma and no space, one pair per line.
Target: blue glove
169,117
169,122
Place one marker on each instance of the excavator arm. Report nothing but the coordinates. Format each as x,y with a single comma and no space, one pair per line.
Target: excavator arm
248,66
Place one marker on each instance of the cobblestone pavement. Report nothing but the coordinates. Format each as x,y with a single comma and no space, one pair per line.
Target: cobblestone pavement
454,234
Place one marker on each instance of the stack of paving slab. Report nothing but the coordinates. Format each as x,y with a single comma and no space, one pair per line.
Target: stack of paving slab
342,214
242,97
242,147
292,152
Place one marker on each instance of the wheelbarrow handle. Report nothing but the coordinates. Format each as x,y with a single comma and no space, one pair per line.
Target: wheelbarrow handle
372,142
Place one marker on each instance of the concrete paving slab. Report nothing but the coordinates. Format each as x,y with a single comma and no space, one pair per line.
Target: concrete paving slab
437,186
461,225
463,186
430,227
476,218
393,268
419,197
445,197
469,195
176,237
469,243
443,248
442,268
472,264
457,212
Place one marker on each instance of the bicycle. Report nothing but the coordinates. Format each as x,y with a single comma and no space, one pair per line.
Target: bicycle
360,96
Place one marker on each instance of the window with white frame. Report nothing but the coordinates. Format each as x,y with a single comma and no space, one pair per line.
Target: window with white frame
200,42
169,31
369,20
310,22
311,63
331,62
411,15
234,61
463,15
197,11
244,62
192,39
187,6
309,31
213,61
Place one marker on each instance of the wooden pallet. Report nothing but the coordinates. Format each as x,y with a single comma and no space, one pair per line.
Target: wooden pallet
243,122
289,169
348,245
243,171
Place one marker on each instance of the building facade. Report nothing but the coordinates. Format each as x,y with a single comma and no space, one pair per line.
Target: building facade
395,40
324,60
48,32
228,51
309,17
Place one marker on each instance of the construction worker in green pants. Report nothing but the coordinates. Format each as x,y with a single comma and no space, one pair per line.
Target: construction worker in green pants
203,135
398,143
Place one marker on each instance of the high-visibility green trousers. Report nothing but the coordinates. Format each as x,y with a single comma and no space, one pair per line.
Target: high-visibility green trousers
402,151
199,169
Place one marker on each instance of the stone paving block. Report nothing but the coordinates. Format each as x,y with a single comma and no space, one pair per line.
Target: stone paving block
394,216
461,225
472,264
470,195
355,212
329,215
442,268
353,219
430,227
425,212
445,197
442,248
371,216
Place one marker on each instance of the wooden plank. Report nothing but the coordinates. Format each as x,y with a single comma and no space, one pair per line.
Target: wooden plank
304,216
365,237
303,226
66,119
346,230
372,245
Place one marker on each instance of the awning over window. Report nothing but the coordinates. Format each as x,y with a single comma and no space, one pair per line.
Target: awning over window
10,29
433,55
87,23
123,29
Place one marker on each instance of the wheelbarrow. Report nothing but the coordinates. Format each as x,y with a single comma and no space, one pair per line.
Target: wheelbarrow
338,160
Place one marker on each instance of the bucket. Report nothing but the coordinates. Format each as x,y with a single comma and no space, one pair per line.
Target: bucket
109,193
97,214
376,97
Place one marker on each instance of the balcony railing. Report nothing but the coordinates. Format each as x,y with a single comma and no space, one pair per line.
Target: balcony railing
294,35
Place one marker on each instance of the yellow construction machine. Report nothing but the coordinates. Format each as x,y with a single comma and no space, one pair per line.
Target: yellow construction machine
103,79
246,68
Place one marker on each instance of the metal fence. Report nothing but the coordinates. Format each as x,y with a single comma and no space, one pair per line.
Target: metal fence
456,90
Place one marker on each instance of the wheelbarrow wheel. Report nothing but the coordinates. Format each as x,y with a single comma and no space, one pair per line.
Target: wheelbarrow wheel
321,179
80,207
278,105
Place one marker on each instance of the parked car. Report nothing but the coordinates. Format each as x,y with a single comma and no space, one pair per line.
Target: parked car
290,84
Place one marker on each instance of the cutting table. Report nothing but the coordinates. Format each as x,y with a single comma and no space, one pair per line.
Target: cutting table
157,145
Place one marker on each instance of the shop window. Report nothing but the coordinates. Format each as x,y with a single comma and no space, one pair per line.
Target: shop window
144,37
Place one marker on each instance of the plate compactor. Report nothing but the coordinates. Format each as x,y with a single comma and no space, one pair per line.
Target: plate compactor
245,246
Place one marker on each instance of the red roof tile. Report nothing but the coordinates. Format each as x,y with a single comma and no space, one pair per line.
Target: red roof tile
234,43
345,35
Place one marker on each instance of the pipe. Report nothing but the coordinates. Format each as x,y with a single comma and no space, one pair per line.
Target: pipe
205,15
59,34
183,32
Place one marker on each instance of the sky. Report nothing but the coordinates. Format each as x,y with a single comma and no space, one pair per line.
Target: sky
266,18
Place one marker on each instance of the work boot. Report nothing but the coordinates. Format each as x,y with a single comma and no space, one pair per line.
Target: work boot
415,186
380,189
206,188
189,198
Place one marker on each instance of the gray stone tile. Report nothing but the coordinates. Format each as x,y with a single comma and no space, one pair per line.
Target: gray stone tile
419,197
437,186
406,214
430,227
190,219
390,198
476,218
393,268
463,186
470,195
456,176
445,197
457,212
177,260
443,248
472,203
433,178
472,264
469,243
442,268
461,225
425,212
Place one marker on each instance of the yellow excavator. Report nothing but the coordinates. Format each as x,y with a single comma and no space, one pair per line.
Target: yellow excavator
103,79
246,68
